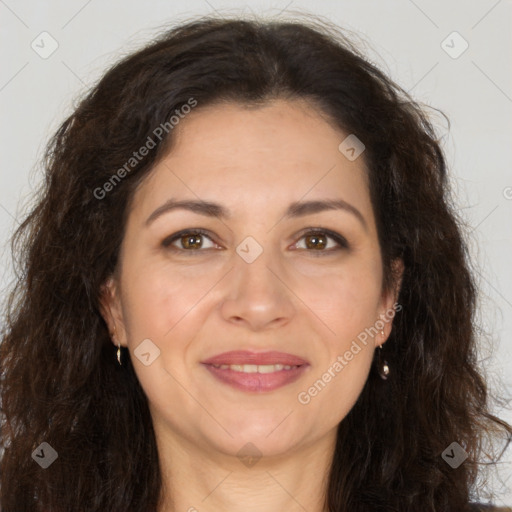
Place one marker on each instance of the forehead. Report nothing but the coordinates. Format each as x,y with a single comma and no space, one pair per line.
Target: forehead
277,153
289,131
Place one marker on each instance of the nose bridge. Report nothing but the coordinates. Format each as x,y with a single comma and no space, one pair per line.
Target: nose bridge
256,294
252,266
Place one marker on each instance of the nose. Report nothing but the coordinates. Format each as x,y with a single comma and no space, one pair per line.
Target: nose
256,294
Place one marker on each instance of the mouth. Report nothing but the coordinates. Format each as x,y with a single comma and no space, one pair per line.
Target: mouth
248,357
255,368
256,372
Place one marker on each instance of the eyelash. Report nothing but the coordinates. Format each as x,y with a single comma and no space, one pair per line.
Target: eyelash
340,240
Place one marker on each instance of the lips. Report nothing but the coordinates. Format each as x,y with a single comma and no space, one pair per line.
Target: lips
258,372
242,357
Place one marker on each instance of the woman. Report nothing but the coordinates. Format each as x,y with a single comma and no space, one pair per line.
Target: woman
244,287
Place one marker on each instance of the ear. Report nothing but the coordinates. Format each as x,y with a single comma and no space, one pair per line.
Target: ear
388,300
111,310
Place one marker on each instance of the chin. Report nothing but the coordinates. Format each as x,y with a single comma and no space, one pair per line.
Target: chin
268,438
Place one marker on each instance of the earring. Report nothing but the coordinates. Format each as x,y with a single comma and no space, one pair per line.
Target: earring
383,367
118,348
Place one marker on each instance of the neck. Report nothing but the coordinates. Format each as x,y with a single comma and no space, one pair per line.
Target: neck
201,480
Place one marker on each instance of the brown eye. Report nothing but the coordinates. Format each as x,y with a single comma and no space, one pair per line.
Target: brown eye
320,241
191,240
315,241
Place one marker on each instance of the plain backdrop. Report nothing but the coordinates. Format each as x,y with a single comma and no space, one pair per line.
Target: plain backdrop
452,55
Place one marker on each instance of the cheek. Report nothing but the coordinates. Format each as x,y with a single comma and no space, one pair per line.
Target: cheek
338,388
159,298
162,306
350,304
345,297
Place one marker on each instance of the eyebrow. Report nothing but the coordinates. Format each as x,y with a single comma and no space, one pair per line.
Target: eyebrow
296,209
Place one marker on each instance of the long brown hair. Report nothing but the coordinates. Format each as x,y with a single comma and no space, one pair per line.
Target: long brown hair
60,380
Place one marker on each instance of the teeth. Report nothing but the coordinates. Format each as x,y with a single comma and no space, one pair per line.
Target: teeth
253,368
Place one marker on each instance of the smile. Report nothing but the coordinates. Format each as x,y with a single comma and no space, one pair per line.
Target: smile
253,368
256,378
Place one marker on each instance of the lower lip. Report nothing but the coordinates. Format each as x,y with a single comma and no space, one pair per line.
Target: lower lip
258,382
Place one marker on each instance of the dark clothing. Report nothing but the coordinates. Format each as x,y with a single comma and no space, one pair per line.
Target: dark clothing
480,507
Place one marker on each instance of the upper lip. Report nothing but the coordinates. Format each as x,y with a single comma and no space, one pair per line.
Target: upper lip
257,358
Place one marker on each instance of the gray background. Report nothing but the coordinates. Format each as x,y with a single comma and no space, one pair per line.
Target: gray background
405,39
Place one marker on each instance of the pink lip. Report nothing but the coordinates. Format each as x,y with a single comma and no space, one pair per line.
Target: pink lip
257,382
258,358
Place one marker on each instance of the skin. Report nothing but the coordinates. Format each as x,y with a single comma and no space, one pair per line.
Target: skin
291,298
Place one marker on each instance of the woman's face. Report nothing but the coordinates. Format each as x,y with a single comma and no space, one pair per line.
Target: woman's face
270,274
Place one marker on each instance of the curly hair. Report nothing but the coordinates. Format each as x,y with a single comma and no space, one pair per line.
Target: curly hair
60,380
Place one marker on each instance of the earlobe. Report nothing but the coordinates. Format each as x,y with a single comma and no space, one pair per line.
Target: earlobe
389,301
397,270
111,311
105,300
